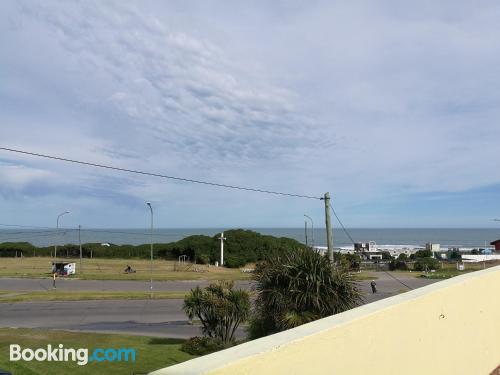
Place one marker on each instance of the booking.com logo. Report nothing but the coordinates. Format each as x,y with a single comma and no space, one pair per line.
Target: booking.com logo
80,356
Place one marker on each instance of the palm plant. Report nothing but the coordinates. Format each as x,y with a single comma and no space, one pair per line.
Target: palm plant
220,308
298,287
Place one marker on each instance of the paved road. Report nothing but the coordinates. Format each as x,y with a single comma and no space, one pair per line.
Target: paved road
13,284
162,318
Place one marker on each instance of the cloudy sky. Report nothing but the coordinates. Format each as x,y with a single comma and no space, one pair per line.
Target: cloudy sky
393,107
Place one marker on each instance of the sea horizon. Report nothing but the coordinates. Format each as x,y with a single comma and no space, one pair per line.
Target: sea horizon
460,237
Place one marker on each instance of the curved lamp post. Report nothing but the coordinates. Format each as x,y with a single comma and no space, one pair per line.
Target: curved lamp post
57,227
312,229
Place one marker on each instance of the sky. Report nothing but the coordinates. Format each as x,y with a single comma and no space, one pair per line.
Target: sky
392,107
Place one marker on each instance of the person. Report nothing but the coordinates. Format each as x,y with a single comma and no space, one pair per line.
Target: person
54,273
374,286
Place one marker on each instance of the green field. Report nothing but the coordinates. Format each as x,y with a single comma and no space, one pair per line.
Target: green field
151,353
112,269
55,295
449,269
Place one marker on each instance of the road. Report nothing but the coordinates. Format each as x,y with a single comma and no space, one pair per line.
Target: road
162,318
32,285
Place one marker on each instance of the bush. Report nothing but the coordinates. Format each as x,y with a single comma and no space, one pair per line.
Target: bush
423,254
202,345
397,264
202,259
297,287
386,255
234,261
220,309
426,264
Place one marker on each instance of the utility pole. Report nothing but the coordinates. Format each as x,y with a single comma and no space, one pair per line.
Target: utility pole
305,228
328,222
80,245
222,238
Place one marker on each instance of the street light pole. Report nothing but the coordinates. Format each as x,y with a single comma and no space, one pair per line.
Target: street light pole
151,243
57,227
80,245
312,230
305,231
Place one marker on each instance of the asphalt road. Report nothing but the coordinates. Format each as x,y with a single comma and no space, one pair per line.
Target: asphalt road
32,285
162,318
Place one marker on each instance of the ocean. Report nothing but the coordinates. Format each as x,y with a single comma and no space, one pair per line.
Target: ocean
466,237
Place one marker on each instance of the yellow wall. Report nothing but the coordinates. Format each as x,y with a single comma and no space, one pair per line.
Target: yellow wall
451,327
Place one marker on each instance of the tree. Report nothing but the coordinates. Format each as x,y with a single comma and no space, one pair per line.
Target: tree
426,264
403,257
220,308
423,254
386,255
398,264
297,287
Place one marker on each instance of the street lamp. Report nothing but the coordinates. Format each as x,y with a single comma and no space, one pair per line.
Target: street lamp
312,229
57,227
151,281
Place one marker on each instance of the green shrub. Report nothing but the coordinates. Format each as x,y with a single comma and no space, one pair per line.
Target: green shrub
426,264
202,259
202,345
397,264
297,287
220,309
423,254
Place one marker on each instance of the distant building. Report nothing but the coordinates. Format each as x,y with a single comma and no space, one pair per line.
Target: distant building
496,244
434,247
365,246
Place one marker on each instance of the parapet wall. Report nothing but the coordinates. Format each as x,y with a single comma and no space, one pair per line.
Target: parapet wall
450,327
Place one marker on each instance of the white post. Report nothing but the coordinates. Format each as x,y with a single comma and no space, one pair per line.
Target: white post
222,238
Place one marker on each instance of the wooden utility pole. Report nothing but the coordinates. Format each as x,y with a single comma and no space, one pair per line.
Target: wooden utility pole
328,222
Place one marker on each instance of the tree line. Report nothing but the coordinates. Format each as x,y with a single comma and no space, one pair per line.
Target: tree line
241,247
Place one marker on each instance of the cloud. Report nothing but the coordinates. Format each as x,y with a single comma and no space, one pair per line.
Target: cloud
366,102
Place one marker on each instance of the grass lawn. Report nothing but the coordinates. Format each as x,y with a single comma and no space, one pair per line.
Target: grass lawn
112,269
364,275
151,353
448,270
55,295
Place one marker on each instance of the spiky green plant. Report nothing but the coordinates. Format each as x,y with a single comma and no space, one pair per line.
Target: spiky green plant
220,308
297,287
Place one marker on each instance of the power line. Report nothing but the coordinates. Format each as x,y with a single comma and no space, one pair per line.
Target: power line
24,226
257,190
2,231
395,278
64,230
342,225
348,235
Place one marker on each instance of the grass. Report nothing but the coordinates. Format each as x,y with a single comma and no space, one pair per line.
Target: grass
363,275
112,269
55,295
449,270
151,353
